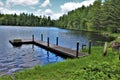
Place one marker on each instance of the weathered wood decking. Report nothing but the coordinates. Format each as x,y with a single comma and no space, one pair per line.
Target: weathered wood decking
51,47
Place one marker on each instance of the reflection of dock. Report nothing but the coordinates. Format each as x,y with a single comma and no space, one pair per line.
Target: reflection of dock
66,52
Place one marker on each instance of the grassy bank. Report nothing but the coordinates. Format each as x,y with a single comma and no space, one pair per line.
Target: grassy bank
95,67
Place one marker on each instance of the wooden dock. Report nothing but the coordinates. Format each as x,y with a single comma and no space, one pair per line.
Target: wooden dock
59,50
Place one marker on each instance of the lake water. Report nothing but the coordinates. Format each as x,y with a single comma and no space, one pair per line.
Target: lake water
17,58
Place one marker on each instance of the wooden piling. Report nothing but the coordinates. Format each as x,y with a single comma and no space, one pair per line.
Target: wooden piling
89,51
41,37
48,41
105,49
57,41
77,49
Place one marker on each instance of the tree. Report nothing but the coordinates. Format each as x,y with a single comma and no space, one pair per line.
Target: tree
25,20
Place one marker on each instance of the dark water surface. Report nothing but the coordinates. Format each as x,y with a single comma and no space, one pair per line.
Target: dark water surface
13,59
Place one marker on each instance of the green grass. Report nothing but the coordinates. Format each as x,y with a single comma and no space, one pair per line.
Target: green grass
92,67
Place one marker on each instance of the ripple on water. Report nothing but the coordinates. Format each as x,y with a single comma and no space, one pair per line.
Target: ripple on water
14,70
8,60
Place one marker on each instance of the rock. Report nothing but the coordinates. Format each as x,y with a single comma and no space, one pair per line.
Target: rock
115,45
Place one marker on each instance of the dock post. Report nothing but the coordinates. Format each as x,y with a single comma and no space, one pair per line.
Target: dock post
41,37
48,41
77,49
89,51
57,41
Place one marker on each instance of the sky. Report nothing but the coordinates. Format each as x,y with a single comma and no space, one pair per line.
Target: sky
53,8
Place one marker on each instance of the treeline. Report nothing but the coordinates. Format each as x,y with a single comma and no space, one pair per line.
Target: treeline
101,16
25,20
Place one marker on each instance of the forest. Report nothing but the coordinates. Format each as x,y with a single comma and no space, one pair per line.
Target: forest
101,16
25,20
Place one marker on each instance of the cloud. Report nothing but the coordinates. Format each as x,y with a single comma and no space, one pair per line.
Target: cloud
38,12
48,12
1,4
56,16
22,2
9,11
46,3
69,6
87,2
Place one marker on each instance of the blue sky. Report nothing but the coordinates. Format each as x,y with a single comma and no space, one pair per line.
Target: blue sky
53,8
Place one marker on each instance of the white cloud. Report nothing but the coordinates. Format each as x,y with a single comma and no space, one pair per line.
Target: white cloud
46,3
56,16
69,6
38,12
1,4
22,2
87,2
48,12
74,5
8,11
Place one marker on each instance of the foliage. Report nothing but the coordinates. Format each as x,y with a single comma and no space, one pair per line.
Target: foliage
24,20
93,67
101,16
